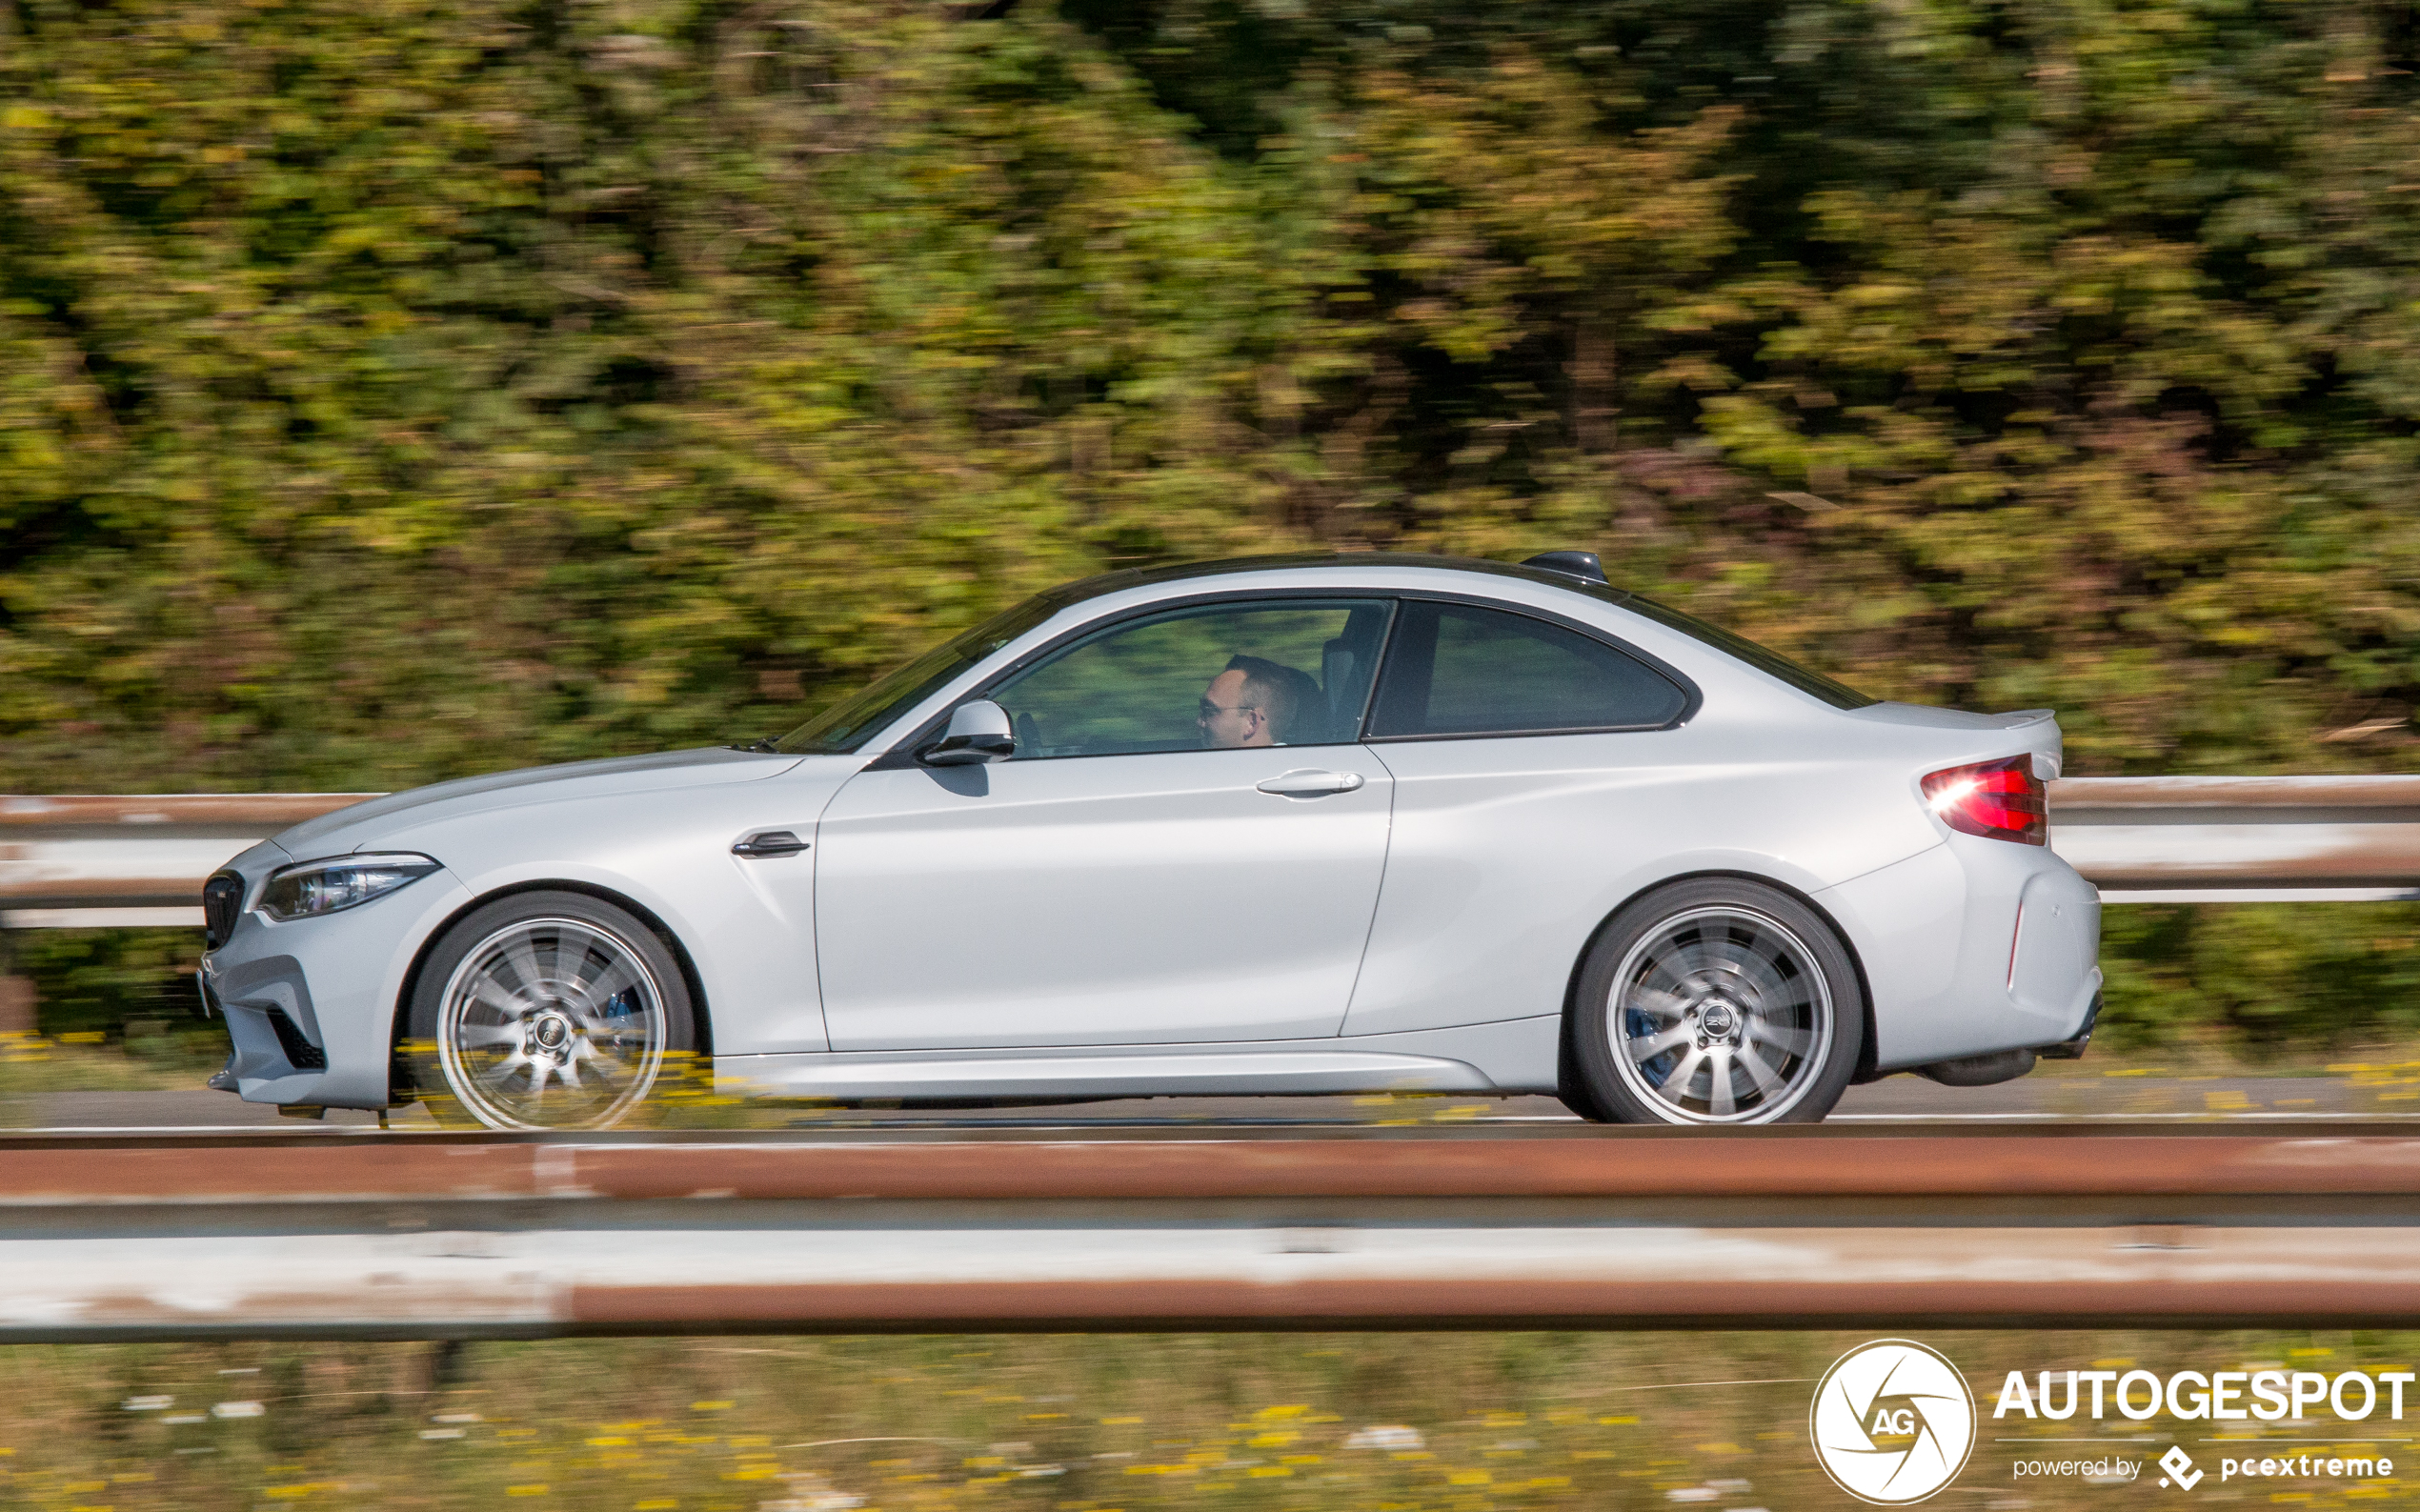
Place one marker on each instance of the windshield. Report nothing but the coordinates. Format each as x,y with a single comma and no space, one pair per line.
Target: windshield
1839,694
857,718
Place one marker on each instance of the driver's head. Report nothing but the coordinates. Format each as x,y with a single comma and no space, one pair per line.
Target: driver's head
1251,703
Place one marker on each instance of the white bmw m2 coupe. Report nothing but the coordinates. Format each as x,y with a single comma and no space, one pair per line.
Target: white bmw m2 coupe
1331,824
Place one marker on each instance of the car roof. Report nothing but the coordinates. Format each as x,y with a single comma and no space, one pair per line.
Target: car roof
1082,589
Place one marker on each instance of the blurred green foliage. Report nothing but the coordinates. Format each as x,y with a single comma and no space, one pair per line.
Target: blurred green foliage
2261,980
388,393
396,392
120,1005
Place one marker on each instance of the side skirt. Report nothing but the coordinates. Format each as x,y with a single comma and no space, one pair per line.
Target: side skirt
1516,1055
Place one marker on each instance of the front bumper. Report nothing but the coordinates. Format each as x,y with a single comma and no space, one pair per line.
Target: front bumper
310,1003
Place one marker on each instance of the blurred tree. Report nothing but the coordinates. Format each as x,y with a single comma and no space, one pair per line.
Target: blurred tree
389,397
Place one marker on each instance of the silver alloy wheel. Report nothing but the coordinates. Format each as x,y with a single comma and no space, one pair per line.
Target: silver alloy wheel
1720,1016
551,1024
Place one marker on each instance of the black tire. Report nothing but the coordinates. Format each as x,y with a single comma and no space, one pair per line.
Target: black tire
1569,1087
1717,1001
551,1010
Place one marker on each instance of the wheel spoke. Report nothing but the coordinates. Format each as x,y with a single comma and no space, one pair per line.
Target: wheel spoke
1764,1078
1793,1009
483,1035
571,961
501,1068
1676,1086
1722,1103
1646,1047
1667,966
1665,1005
522,956
1791,1041
1771,986
490,994
1697,956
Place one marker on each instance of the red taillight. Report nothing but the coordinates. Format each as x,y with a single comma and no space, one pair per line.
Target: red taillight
1999,801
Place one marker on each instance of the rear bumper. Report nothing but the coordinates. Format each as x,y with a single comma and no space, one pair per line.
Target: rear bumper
2073,1047
1973,947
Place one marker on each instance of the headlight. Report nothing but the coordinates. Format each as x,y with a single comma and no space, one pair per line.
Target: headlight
324,887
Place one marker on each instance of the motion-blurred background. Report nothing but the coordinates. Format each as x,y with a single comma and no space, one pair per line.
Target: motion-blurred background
396,391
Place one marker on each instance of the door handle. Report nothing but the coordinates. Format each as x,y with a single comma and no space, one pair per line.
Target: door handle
1311,784
766,843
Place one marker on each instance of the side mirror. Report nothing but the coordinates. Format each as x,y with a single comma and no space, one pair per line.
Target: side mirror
978,732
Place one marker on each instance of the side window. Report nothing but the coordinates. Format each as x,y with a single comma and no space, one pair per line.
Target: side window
1285,672
1458,671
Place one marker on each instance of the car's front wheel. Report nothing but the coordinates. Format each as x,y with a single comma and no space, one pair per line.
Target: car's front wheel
1717,1001
549,1010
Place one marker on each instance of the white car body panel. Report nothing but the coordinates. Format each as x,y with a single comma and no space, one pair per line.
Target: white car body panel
1509,852
656,832
940,941
1097,900
747,926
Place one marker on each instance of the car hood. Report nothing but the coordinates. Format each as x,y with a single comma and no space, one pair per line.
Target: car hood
350,828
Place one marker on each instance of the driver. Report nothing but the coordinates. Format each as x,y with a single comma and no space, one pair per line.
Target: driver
1253,702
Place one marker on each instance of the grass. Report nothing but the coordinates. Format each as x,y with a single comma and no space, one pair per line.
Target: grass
31,1064
2381,1079
1396,1423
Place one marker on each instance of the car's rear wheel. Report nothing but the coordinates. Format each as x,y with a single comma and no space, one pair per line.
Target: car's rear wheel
546,1011
1717,1001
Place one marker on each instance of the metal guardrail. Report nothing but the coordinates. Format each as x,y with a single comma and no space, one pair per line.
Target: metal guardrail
98,859
2241,839
443,1236
95,859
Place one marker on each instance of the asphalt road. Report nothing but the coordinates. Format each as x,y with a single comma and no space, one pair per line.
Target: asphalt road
1899,1100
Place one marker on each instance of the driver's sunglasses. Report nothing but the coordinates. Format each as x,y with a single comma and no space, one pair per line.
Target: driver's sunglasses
1211,711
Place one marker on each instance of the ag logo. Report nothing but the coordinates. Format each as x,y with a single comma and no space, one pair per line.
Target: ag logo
1892,1422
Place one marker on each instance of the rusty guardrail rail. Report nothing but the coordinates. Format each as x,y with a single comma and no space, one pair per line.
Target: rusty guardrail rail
2141,839
443,1236
2241,839
99,859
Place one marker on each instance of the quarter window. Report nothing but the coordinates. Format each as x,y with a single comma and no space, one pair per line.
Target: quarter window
1454,670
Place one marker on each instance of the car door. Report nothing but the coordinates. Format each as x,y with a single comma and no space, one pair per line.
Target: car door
1534,761
1185,847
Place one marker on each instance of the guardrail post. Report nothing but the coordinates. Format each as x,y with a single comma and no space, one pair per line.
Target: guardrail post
18,1015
